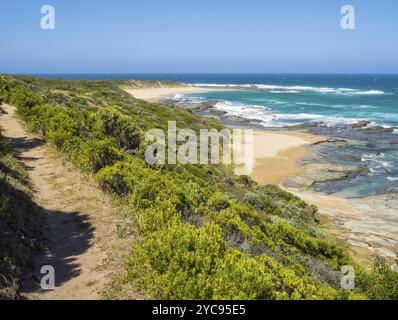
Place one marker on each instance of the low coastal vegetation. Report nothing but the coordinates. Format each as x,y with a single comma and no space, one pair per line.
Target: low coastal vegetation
20,223
204,232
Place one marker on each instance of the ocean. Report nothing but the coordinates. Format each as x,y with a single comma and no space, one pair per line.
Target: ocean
327,103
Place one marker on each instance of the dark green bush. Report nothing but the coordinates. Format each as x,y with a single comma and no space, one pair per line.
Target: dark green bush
24,99
382,282
93,155
4,145
254,200
110,122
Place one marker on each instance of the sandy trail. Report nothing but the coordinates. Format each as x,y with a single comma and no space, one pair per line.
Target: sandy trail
81,240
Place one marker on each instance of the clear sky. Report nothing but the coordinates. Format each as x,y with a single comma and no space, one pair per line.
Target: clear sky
163,36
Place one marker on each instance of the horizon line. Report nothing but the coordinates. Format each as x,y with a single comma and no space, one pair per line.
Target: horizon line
200,73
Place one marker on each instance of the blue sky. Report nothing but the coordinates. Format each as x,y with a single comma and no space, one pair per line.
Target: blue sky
162,36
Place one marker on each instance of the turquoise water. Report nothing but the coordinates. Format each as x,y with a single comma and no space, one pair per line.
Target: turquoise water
289,100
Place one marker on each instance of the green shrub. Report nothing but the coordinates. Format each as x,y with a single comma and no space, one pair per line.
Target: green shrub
240,277
178,262
218,201
122,177
24,99
254,200
382,282
4,145
20,223
110,122
92,156
161,215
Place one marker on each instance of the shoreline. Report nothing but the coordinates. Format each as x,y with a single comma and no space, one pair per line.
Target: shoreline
160,93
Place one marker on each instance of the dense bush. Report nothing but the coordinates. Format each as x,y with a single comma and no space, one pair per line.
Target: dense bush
112,123
185,262
382,282
20,224
4,145
24,99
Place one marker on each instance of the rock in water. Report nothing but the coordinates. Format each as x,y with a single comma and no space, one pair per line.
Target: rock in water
360,124
378,129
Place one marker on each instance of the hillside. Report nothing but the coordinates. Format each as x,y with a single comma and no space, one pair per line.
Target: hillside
203,232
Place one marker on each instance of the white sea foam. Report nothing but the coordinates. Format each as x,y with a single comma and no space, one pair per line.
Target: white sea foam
262,115
267,118
392,178
337,106
286,91
377,163
184,98
294,89
370,92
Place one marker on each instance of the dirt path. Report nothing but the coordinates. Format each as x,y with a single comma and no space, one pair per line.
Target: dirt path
81,234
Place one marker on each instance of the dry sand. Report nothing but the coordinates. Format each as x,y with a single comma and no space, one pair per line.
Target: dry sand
156,94
277,154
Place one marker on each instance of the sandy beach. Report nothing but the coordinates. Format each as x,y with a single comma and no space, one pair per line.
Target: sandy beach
277,154
159,93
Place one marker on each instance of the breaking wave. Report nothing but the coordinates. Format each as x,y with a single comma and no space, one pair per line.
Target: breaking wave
294,89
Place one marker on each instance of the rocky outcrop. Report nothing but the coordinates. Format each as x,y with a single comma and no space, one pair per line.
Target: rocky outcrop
325,172
237,119
377,130
360,124
308,125
330,140
203,107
